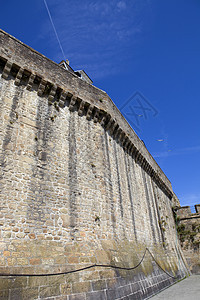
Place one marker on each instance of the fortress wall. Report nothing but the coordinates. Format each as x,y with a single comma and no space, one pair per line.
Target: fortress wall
48,71
75,192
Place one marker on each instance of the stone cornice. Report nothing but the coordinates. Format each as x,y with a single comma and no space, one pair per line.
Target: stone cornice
52,81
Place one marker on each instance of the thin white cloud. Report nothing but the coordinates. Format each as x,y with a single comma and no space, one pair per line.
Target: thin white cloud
95,33
189,199
121,5
174,152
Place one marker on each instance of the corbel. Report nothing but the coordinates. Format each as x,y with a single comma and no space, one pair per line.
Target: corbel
149,169
81,108
62,99
126,142
122,137
30,82
142,161
72,102
89,112
52,94
118,133
129,146
6,70
114,125
145,165
41,87
109,123
96,116
19,76
139,158
134,150
152,173
103,120
137,153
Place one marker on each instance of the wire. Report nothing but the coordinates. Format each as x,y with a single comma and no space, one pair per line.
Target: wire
175,277
54,30
93,266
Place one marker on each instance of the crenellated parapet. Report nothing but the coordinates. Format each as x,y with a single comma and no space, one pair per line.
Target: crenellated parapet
197,208
184,212
65,88
188,228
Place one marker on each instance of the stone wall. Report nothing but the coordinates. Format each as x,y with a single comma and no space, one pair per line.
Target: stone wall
78,190
188,225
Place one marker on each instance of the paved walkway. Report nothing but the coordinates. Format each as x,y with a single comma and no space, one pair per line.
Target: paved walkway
187,289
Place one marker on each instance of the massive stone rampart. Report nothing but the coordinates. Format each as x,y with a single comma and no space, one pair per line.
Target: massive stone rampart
78,190
96,101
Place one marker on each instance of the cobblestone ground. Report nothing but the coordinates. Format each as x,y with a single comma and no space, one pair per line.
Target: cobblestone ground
187,289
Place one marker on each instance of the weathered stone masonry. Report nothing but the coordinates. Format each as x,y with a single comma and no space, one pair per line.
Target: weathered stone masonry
188,227
78,188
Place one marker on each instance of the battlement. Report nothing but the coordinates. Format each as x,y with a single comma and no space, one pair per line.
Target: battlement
189,235
184,212
65,88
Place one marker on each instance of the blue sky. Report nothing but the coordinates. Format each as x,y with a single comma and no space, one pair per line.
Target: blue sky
151,47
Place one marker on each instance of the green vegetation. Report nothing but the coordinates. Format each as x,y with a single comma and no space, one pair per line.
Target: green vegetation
186,234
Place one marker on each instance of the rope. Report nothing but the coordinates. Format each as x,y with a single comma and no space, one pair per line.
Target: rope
175,277
54,29
93,266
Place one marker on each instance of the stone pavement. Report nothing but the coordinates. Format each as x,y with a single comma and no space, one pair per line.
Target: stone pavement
187,289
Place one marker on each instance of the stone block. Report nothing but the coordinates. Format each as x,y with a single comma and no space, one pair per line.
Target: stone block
102,257
49,291
13,283
107,273
5,283
38,281
90,275
35,261
4,295
60,260
124,290
11,261
135,287
58,279
77,297
111,283
73,260
30,293
16,294
99,285
66,288
22,261
96,296
81,287
112,294
6,253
